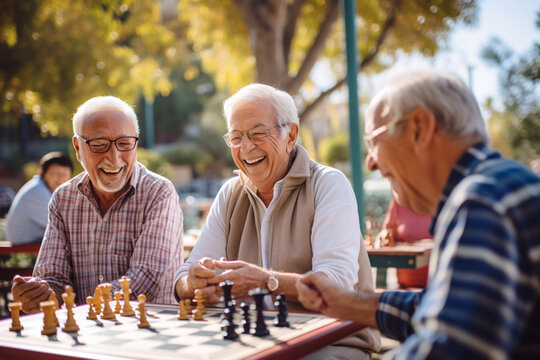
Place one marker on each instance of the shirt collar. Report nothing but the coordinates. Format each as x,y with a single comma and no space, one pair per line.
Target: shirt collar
465,166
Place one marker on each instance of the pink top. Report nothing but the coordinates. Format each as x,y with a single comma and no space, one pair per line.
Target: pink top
408,225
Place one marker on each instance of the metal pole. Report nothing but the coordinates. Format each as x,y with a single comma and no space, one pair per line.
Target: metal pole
349,13
149,123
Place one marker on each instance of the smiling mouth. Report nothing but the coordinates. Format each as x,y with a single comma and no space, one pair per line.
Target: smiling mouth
111,171
255,161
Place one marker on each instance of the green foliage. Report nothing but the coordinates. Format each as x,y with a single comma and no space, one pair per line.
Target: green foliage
515,131
154,162
54,55
188,153
335,149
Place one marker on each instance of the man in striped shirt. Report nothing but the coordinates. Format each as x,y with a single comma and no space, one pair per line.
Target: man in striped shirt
424,131
115,219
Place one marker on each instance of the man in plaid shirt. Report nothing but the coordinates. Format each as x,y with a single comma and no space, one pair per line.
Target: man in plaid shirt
115,219
426,134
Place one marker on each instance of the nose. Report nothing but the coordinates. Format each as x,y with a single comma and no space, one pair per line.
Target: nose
371,163
246,143
113,154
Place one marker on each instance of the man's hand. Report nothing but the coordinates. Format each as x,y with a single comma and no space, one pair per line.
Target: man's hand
200,276
30,292
245,276
317,292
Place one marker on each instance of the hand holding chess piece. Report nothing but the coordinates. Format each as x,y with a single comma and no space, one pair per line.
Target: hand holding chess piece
143,323
69,300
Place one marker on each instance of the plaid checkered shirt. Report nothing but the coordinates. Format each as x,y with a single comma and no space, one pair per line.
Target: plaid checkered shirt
483,294
140,237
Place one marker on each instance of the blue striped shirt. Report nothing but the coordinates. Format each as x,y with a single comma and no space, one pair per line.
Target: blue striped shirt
483,294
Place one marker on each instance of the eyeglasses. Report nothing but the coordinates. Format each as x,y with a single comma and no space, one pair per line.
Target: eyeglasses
257,135
368,139
102,145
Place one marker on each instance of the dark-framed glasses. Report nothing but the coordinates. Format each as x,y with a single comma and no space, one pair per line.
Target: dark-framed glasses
102,145
368,139
257,135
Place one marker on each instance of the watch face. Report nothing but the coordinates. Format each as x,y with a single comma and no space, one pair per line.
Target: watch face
272,283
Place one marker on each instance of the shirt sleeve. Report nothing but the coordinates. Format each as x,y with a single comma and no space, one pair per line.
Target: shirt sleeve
335,237
52,263
212,240
479,299
159,248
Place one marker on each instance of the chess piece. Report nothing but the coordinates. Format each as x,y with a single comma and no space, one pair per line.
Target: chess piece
106,294
187,302
91,313
97,300
53,299
126,310
15,310
200,301
182,311
118,307
260,327
49,327
246,323
143,323
69,300
197,315
227,325
281,304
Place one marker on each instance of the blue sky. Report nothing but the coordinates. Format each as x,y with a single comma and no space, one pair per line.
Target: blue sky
513,21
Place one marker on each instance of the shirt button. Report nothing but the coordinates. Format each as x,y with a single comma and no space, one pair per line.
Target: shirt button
100,277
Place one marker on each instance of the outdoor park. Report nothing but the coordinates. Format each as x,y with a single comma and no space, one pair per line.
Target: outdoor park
176,61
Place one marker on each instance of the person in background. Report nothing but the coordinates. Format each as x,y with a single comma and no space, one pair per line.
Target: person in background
407,226
284,214
425,132
115,219
27,217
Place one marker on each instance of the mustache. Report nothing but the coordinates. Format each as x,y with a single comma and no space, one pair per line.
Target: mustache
111,167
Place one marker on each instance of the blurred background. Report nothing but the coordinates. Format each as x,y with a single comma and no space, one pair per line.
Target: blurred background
175,61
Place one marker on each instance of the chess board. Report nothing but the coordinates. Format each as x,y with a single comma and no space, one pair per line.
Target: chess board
168,337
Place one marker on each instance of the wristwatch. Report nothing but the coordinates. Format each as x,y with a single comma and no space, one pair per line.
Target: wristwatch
272,283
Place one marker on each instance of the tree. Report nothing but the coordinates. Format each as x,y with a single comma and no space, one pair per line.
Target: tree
516,129
54,55
278,42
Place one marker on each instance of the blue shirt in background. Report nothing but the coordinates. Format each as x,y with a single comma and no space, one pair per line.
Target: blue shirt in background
27,217
483,294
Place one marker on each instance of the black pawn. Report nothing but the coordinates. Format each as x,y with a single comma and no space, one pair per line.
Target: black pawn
246,322
227,326
226,286
260,327
281,304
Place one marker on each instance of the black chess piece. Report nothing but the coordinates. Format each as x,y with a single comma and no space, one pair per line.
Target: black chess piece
227,298
281,304
246,322
227,325
260,327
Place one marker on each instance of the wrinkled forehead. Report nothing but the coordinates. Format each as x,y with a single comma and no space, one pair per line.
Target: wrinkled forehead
108,119
252,113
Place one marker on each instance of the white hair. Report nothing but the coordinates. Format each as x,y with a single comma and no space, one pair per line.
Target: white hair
453,104
100,103
281,102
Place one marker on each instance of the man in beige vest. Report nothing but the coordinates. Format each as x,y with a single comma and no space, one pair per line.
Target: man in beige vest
283,215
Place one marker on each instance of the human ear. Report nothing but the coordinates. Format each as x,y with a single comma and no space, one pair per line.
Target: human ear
292,137
424,127
76,146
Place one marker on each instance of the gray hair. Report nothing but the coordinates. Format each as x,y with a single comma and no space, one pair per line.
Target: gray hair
281,102
453,104
100,103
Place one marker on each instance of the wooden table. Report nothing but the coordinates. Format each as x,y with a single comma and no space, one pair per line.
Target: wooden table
169,338
402,256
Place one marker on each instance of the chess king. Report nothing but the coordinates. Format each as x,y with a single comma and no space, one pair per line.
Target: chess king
283,215
115,219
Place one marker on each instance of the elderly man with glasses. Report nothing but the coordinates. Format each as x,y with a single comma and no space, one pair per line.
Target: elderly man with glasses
482,300
283,215
115,219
